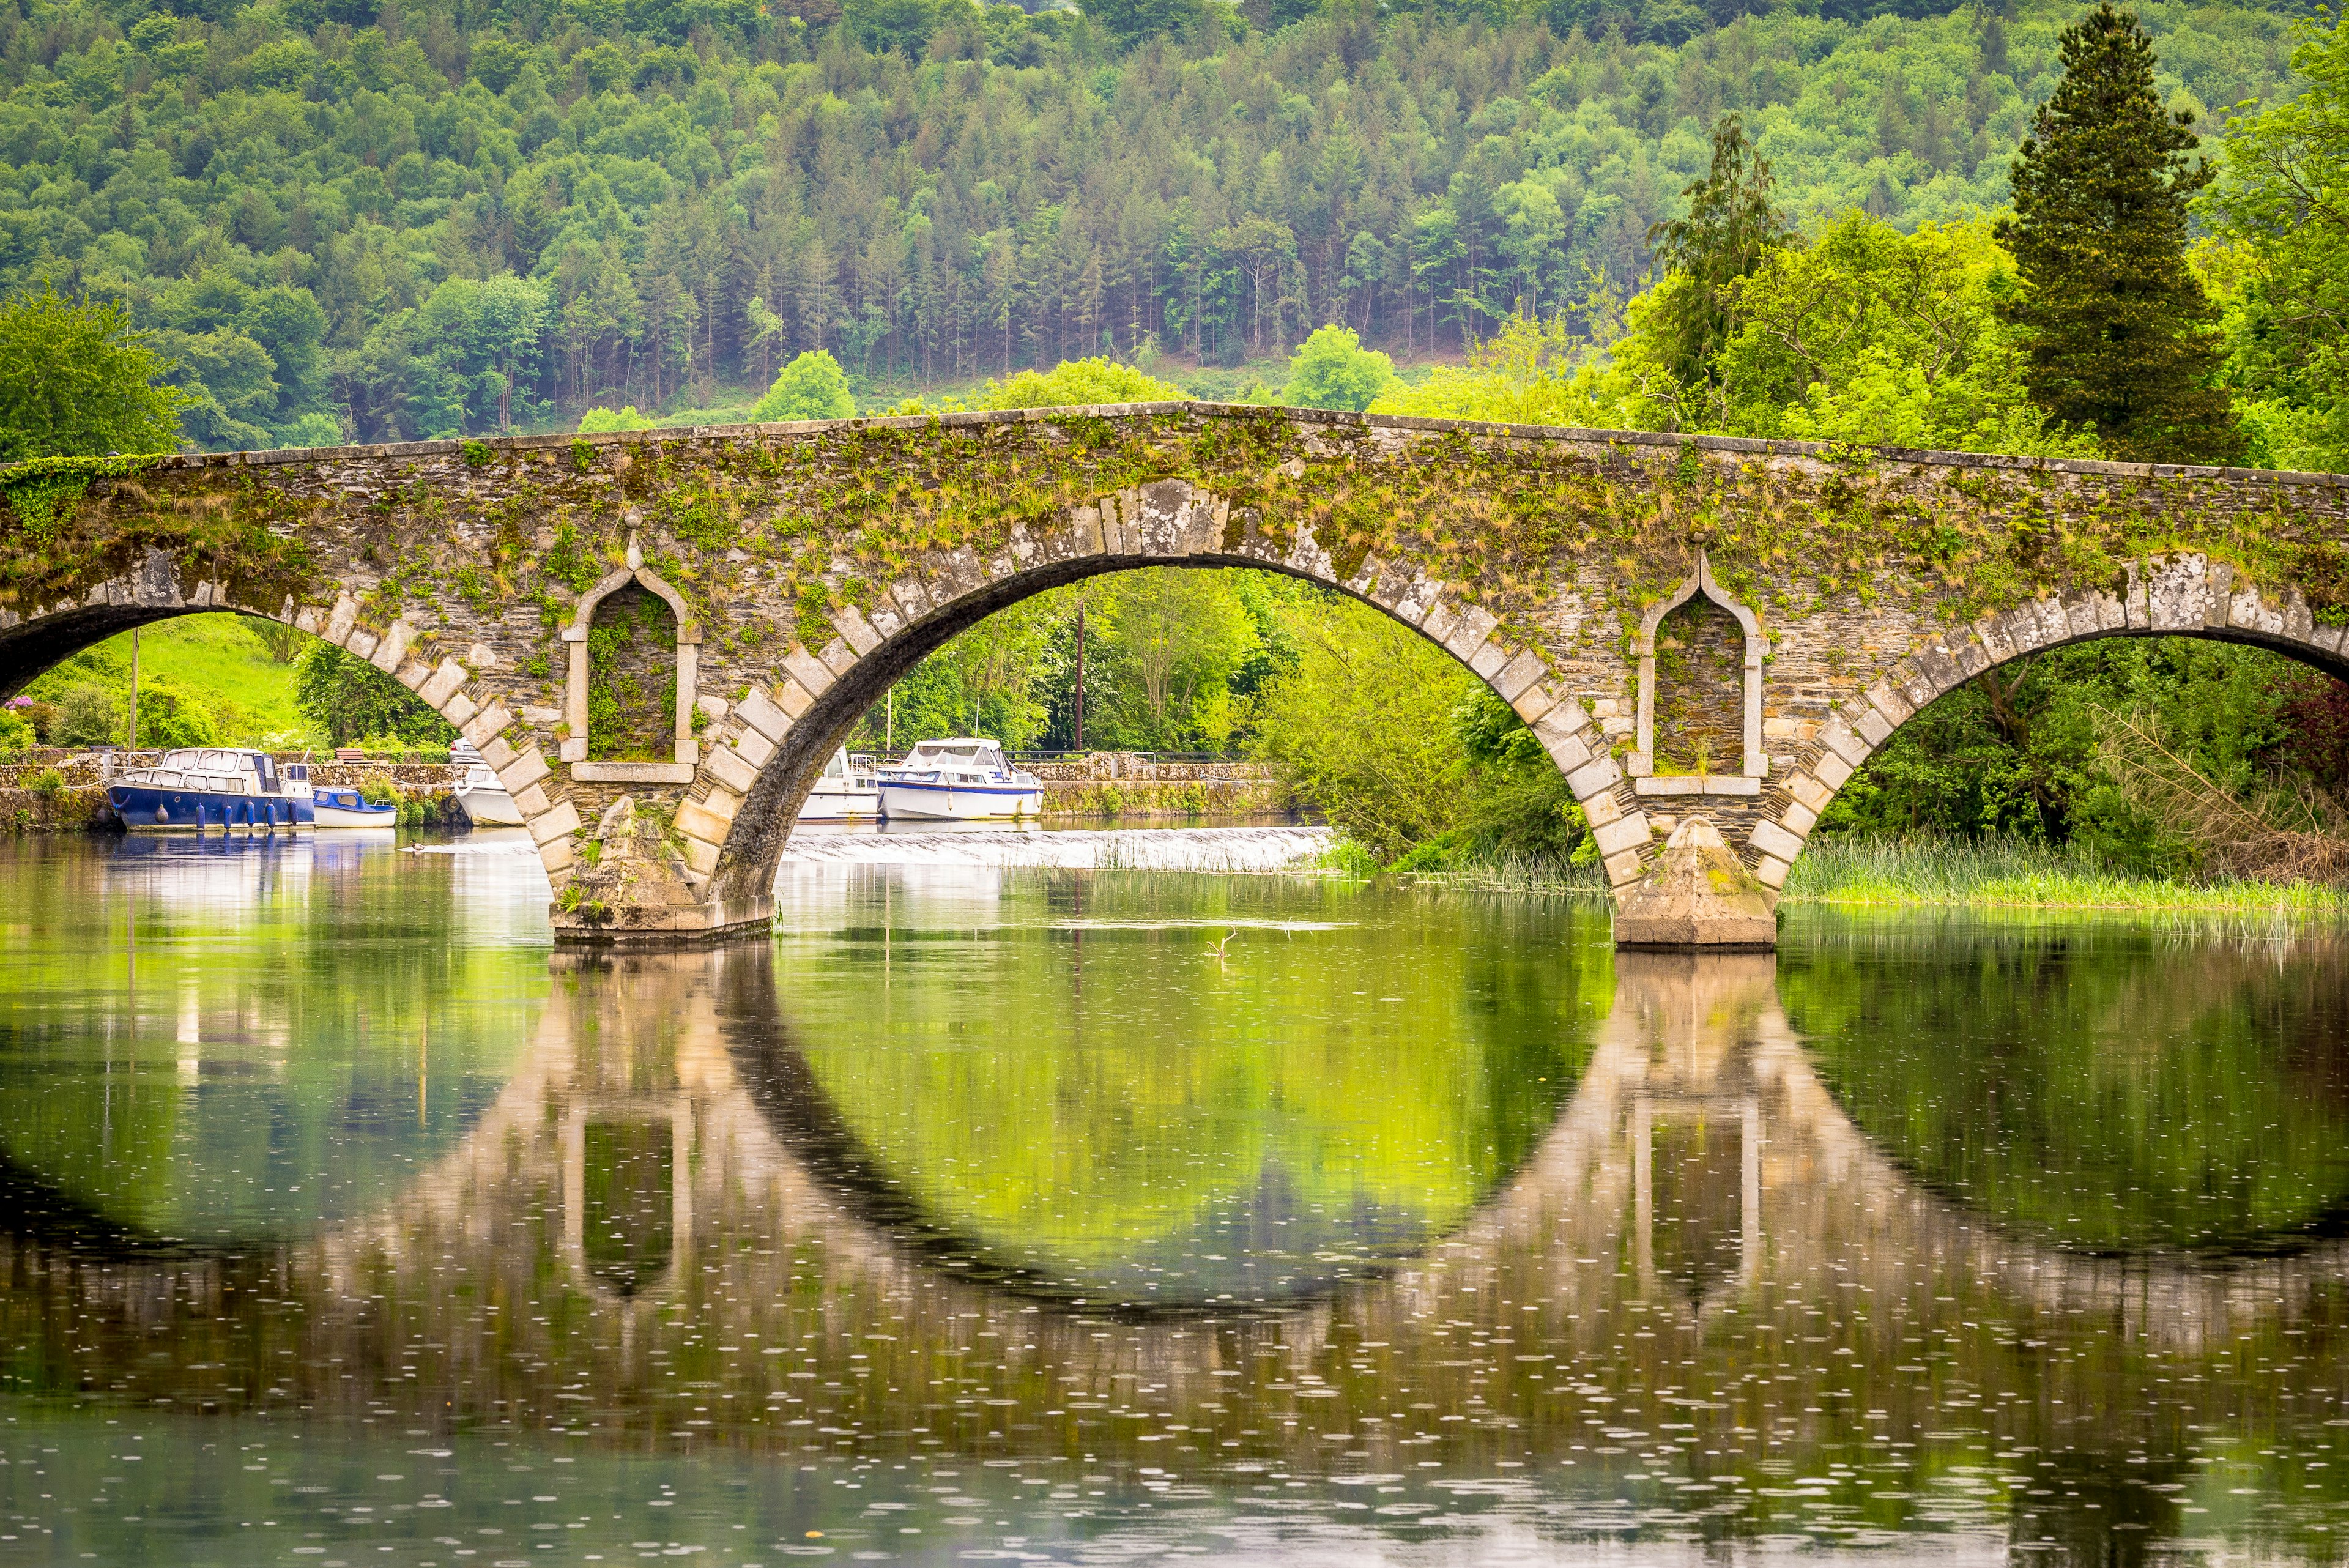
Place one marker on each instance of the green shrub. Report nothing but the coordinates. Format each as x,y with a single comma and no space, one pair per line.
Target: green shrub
86,716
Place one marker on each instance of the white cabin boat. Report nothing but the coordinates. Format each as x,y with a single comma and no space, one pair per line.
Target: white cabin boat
961,780
848,790
485,801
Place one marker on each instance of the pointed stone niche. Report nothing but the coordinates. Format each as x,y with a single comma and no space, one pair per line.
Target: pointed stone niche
1699,711
640,611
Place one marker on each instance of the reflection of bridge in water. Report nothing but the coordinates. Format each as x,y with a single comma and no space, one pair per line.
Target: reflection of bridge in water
624,1242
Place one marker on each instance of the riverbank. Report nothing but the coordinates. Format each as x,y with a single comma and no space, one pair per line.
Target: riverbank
2017,875
1875,872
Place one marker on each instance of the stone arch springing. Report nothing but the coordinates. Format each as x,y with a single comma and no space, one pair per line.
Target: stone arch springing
635,579
1676,777
770,743
158,588
2176,596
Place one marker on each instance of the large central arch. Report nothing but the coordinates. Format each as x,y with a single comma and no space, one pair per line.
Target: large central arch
785,740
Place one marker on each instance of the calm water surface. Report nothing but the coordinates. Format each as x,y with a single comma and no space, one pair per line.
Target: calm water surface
1100,1214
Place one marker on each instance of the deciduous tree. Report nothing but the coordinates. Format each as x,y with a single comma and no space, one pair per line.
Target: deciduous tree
77,382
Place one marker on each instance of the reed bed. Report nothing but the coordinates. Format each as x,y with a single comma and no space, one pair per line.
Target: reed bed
2006,873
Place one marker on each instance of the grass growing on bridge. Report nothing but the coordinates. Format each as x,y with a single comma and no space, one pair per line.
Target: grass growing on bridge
2006,873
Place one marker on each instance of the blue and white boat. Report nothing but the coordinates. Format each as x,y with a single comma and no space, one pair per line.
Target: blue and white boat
341,805
960,780
197,789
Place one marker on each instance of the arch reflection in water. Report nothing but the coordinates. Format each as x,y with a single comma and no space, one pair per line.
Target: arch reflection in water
2112,1088
1160,1090
227,1041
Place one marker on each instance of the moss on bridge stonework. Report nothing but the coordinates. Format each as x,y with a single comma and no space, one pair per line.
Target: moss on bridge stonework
802,547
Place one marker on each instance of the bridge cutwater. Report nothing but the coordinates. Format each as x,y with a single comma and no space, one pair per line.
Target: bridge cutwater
1696,627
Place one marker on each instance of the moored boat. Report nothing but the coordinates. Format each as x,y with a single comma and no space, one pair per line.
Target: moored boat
194,789
848,790
485,801
965,779
340,806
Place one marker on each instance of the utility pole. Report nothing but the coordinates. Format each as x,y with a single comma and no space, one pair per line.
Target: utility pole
134,689
1079,743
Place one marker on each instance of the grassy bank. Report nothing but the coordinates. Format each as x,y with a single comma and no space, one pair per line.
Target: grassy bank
2017,875
1880,873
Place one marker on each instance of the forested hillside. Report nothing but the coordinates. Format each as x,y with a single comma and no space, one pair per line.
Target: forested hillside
392,221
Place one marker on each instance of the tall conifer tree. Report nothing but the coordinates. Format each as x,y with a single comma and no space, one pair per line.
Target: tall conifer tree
1731,224
2118,332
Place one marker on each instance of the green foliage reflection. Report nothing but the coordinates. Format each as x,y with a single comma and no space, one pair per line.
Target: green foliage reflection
2104,1090
224,1042
1081,1086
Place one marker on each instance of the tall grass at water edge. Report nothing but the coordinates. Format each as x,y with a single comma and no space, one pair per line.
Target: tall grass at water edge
1887,873
2008,873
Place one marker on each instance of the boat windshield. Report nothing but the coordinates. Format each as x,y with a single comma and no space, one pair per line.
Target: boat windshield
956,753
838,767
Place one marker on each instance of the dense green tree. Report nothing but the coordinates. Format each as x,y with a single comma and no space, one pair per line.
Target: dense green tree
2118,331
1872,336
1078,384
350,700
1331,370
2283,199
76,380
599,421
1731,224
171,715
812,387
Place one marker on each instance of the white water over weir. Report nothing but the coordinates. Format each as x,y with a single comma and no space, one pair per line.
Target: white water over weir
1249,848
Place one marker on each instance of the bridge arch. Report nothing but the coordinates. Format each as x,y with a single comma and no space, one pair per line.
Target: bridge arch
2182,594
157,590
777,738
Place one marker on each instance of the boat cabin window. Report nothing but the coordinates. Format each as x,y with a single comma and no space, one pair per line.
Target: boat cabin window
837,768
266,767
179,760
216,762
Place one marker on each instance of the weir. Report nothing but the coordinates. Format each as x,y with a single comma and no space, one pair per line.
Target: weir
1695,628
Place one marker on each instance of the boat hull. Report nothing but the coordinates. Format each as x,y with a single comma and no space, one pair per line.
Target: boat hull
911,802
344,816
490,808
143,808
832,801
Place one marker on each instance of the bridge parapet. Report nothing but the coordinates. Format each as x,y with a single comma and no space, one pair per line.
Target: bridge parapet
784,576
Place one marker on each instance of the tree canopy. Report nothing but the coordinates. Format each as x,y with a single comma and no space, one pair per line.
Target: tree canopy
77,381
437,220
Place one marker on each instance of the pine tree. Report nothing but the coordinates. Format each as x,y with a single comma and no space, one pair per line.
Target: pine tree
2118,334
1731,224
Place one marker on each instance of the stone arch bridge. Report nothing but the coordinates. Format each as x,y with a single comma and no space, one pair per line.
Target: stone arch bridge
1692,625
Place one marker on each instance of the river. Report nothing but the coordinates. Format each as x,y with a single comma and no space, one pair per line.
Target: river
1108,1198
